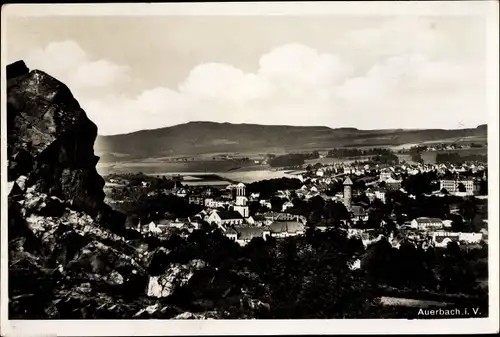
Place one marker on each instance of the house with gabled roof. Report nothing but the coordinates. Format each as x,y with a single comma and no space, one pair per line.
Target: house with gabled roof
358,213
425,223
283,229
223,219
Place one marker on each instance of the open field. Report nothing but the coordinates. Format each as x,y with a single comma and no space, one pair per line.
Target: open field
157,167
221,178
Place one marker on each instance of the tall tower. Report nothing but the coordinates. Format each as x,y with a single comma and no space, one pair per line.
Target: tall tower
347,193
241,201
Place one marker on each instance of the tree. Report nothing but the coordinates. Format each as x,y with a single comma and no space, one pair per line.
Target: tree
277,204
461,188
255,207
457,223
469,208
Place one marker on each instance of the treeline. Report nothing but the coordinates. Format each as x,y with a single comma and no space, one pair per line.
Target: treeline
347,153
314,268
267,188
292,159
386,158
448,271
156,207
456,158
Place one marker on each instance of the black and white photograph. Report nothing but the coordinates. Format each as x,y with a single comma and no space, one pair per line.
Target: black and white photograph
226,163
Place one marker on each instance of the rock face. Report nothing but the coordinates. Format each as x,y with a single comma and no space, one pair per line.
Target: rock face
176,276
65,244
51,142
69,253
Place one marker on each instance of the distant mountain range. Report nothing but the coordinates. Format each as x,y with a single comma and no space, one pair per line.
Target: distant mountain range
198,138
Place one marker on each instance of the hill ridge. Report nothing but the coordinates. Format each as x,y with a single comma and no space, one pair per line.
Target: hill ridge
205,137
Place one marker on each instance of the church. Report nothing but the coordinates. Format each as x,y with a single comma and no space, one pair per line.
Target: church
237,216
240,204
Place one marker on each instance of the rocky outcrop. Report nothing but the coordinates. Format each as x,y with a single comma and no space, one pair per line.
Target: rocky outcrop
51,143
176,276
70,256
65,244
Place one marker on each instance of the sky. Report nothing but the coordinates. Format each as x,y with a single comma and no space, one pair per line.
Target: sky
133,73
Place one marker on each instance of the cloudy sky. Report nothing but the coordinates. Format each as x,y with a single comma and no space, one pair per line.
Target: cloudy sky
132,73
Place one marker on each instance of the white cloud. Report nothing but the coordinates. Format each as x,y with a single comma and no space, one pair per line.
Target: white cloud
69,63
294,84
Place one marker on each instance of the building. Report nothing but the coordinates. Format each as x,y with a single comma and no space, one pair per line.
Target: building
441,239
286,205
212,203
271,217
424,223
385,174
198,200
452,186
244,234
393,184
181,193
265,203
380,195
223,219
359,213
241,201
283,229
348,193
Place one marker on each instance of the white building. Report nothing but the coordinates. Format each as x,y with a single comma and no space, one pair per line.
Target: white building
441,239
424,223
225,218
286,205
244,234
380,195
241,201
452,186
385,175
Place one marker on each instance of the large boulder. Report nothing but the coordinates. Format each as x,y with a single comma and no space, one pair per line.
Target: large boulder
51,142
68,256
175,277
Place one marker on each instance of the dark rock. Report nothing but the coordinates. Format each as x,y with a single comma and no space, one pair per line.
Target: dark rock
51,140
68,254
15,191
18,228
16,69
159,262
70,244
20,163
52,207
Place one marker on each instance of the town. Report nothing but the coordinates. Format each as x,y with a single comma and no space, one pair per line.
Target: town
425,204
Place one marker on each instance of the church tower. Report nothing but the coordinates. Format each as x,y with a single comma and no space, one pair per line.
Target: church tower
348,193
241,201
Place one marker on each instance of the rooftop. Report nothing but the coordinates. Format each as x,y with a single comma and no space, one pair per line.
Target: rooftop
286,226
428,220
347,181
248,233
358,210
226,215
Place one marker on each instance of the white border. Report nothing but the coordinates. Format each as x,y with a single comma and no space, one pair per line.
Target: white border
486,9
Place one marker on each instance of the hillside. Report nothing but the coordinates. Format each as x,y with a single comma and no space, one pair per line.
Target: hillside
196,138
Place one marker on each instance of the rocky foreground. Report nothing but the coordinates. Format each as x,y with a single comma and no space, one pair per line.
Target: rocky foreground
70,255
